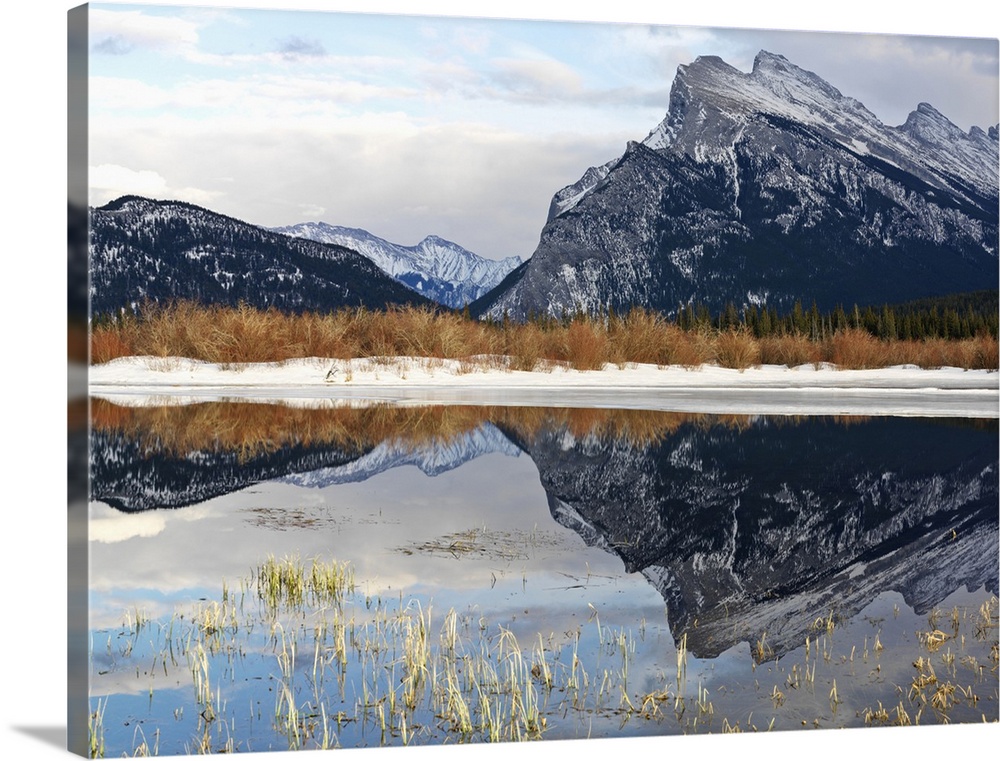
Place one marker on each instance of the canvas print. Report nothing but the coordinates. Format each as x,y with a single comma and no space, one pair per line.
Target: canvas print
461,380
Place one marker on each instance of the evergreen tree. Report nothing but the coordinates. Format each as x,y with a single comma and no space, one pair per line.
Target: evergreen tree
729,318
815,323
839,319
764,325
800,324
887,324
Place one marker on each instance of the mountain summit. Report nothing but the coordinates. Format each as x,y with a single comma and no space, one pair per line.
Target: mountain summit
767,187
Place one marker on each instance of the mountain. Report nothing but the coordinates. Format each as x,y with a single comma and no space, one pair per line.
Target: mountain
767,187
436,268
432,460
165,250
130,475
767,525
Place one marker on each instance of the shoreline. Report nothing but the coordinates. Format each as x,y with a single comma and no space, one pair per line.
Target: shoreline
769,389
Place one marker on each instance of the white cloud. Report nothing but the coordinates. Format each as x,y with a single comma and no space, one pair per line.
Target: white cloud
273,97
118,93
114,177
660,48
542,80
473,40
121,32
311,211
110,181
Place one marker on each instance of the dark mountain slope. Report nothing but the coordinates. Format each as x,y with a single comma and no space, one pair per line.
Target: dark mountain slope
141,249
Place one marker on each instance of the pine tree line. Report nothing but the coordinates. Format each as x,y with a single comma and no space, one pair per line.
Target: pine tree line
953,317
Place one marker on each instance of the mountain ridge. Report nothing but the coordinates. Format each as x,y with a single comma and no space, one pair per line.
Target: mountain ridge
435,267
767,187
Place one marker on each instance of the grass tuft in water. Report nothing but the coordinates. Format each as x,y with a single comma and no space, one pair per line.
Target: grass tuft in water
95,731
287,584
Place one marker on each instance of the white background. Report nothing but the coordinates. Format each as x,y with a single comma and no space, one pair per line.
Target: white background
33,596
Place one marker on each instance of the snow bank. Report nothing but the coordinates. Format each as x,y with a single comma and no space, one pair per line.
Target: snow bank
770,389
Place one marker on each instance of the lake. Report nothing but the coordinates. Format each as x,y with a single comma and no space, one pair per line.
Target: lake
343,573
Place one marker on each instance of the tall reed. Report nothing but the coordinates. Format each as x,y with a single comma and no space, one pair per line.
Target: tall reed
241,334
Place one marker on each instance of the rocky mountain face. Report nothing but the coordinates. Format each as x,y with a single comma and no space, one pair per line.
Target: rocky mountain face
764,528
141,249
436,268
768,187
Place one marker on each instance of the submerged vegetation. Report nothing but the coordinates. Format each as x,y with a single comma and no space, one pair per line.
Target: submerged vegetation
297,657
919,335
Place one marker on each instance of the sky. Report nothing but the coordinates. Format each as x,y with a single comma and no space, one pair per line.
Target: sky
460,127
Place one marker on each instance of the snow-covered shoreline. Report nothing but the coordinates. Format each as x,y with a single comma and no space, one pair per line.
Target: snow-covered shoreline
770,389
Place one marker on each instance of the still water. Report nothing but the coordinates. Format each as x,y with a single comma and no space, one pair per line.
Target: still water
276,576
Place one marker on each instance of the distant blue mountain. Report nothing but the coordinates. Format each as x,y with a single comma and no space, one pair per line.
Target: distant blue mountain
435,267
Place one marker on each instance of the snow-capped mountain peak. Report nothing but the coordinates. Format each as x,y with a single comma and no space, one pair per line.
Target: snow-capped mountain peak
436,268
712,102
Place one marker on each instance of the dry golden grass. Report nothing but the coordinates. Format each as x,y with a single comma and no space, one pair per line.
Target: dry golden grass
978,353
525,345
737,349
789,350
858,350
230,335
107,344
648,338
586,345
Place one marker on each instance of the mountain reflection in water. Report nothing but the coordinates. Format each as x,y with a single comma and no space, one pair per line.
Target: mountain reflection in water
743,525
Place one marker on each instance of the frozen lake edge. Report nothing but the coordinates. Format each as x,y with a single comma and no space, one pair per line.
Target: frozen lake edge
775,390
